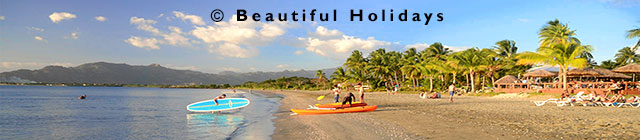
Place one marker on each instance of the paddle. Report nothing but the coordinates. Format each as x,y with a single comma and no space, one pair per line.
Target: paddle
322,97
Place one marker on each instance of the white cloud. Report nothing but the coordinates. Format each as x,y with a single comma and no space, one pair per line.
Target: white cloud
280,66
159,16
2,17
144,24
174,37
150,43
334,44
197,20
233,50
57,17
38,38
298,52
74,35
101,18
324,33
419,46
35,29
240,36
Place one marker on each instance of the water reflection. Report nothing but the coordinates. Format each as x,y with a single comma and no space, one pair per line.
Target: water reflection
218,125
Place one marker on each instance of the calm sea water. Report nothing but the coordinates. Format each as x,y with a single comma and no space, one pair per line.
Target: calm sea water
41,112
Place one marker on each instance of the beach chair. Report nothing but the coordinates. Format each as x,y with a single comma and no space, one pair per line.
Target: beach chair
540,103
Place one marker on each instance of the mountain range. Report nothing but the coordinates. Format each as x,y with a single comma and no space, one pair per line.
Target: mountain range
120,73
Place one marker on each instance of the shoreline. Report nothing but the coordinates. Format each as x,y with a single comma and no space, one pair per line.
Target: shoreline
405,116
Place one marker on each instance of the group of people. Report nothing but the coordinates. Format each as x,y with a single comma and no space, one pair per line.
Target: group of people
614,99
350,97
436,95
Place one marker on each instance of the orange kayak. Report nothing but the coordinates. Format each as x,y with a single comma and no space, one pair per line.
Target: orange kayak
338,105
334,110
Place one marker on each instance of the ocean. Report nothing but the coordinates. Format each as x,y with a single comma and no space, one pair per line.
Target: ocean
44,112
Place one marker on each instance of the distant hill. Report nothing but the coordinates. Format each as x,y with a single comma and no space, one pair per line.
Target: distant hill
112,73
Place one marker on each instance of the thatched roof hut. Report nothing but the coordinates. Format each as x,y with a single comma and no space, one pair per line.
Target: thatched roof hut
631,68
508,79
610,74
583,72
540,73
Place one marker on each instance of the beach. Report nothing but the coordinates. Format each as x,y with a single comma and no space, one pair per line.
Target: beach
406,116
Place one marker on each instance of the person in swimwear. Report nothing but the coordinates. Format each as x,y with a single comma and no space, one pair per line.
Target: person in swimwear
219,97
350,98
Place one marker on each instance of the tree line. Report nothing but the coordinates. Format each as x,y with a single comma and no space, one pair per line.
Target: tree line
436,66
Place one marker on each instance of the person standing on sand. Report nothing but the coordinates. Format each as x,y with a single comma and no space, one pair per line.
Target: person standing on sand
336,93
452,91
360,90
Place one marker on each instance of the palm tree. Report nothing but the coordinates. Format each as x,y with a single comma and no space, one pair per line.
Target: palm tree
321,77
506,48
562,55
410,65
430,69
472,61
634,33
608,64
356,62
626,56
435,50
492,63
339,75
380,65
555,32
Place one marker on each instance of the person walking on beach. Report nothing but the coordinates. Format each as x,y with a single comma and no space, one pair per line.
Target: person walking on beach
336,93
360,90
452,91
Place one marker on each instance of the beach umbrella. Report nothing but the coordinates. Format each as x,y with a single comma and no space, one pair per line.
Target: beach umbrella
631,68
540,73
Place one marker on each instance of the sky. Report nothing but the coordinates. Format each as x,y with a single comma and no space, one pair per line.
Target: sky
182,35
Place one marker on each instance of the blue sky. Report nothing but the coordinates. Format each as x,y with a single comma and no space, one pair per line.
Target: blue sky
180,34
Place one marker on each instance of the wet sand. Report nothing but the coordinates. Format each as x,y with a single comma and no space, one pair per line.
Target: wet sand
406,116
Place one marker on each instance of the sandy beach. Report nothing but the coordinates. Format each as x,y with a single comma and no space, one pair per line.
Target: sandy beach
406,116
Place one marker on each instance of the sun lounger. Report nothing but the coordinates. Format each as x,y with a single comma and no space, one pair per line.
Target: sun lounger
540,103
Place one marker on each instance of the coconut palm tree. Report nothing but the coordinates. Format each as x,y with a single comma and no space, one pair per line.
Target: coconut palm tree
380,65
555,32
492,63
430,69
506,48
410,66
608,64
435,50
626,56
471,60
634,33
562,55
356,62
321,77
339,75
